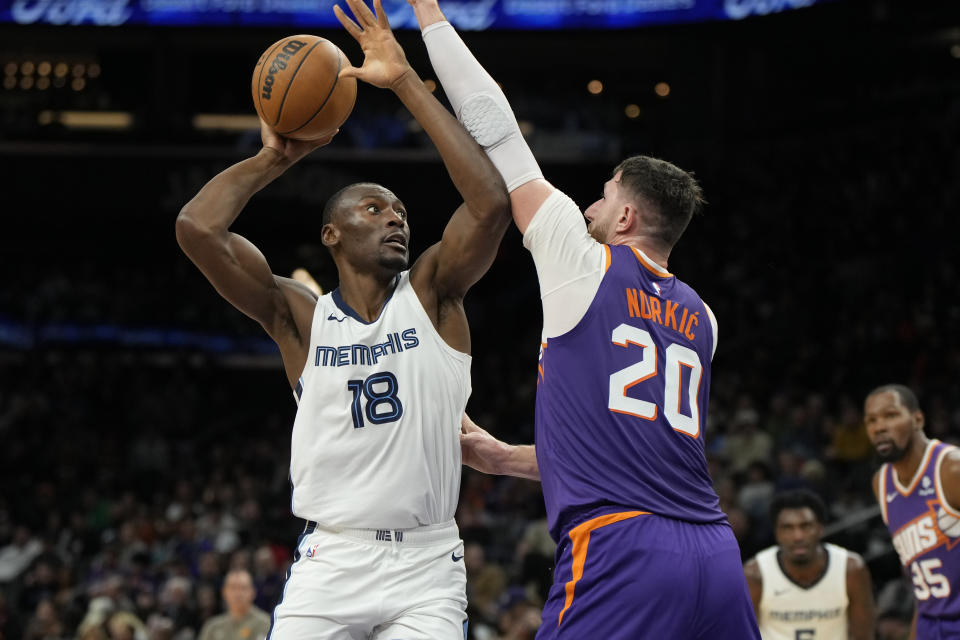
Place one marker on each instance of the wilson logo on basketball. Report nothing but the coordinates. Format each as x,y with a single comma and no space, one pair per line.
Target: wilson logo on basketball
279,64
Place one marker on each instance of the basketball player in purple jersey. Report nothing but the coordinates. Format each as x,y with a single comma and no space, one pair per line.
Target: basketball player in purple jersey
918,488
643,550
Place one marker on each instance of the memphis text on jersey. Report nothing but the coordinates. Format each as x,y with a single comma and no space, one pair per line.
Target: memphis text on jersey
362,354
664,313
807,615
920,535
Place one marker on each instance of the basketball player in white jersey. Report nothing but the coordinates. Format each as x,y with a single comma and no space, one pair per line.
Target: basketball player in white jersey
805,589
380,368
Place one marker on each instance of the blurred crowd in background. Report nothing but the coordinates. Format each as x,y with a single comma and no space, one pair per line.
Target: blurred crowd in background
134,479
145,424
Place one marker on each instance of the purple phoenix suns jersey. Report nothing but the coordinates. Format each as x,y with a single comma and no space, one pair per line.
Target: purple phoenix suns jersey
622,400
926,532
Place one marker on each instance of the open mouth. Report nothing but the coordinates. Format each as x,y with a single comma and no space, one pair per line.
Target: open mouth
396,240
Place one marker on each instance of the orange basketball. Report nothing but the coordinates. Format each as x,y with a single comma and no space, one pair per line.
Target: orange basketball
297,89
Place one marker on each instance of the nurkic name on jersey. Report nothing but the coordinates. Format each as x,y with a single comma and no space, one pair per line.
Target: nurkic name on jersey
376,439
789,611
622,400
925,532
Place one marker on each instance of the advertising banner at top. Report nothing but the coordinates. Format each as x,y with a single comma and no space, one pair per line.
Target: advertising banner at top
471,15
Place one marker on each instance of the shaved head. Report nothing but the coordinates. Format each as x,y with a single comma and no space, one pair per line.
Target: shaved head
344,197
364,225
906,395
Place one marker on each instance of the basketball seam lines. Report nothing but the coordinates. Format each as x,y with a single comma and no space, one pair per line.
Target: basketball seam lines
260,77
290,82
336,79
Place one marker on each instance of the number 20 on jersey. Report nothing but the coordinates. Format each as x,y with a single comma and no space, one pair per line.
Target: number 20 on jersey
646,372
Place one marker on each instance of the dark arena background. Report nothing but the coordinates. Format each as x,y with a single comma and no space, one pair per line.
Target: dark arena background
145,424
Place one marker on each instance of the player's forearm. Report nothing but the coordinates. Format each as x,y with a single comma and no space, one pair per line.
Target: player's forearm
472,173
428,12
521,462
220,201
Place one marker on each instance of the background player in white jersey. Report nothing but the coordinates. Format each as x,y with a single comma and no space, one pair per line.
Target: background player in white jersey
380,368
918,488
803,588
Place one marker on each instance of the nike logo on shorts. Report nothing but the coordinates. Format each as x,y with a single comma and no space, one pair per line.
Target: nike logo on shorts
455,557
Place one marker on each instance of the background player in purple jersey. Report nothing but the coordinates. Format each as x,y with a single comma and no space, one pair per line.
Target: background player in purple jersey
643,550
918,488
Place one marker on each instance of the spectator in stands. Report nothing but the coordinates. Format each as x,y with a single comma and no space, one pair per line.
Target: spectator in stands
242,621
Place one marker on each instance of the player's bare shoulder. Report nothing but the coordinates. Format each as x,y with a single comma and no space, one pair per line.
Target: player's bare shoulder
445,311
950,467
751,569
301,303
855,563
424,269
950,478
292,327
875,483
423,275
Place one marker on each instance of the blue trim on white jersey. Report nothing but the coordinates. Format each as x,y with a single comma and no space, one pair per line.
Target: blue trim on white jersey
298,391
347,309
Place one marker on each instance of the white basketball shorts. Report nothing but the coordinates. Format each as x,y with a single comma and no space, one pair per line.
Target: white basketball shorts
368,584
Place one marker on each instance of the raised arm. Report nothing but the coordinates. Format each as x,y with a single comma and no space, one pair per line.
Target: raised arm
473,234
861,610
235,267
483,108
570,263
483,452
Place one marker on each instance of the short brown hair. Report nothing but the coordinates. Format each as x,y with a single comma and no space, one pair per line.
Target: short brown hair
673,195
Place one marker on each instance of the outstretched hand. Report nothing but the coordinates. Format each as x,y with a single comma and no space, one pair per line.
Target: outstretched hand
384,63
291,150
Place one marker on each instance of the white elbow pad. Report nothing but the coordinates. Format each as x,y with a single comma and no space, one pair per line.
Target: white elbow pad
487,121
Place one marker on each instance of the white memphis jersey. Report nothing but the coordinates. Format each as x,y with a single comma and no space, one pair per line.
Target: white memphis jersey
376,439
789,611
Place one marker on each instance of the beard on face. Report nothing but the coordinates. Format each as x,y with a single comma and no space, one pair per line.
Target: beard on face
894,454
598,232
